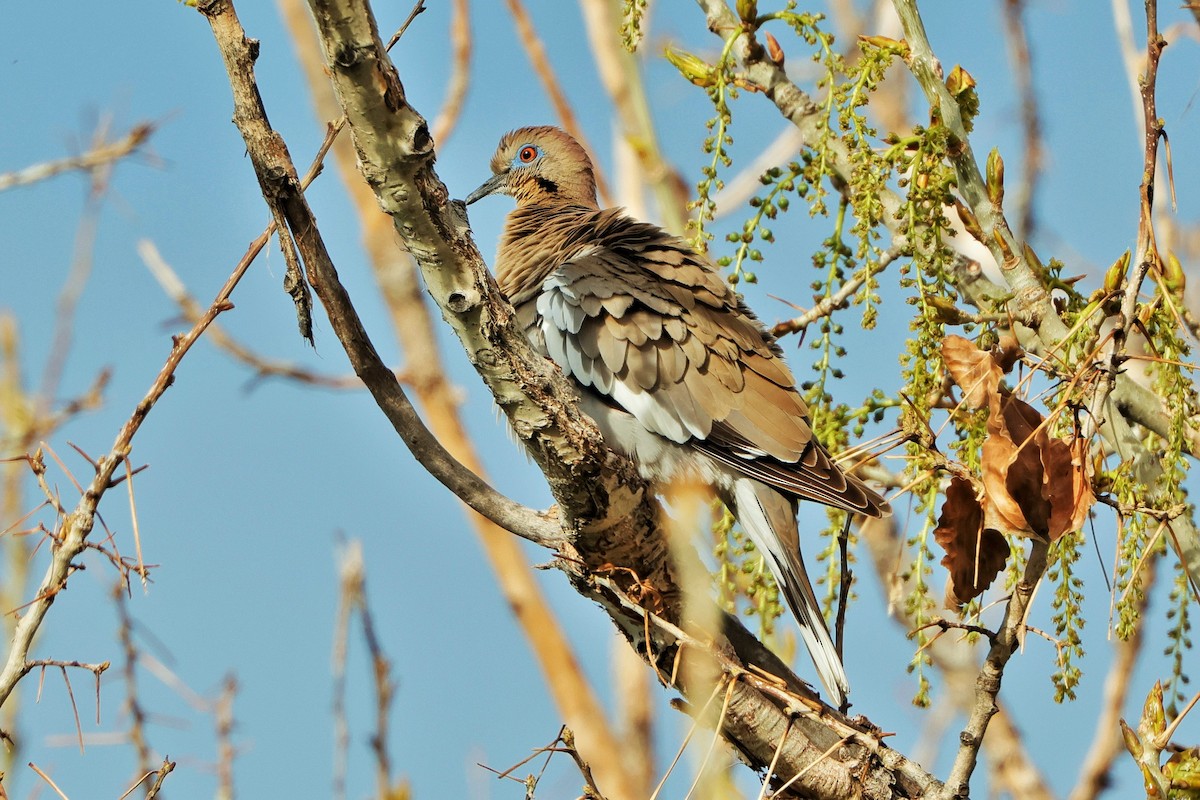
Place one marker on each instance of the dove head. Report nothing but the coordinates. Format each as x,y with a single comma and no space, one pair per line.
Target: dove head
540,165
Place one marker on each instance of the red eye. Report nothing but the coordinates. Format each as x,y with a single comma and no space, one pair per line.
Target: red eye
527,154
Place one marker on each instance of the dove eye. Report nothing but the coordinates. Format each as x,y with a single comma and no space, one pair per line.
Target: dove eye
527,154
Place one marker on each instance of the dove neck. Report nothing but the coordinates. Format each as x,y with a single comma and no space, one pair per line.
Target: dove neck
537,239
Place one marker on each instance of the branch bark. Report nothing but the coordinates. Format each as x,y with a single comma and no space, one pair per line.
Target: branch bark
281,189
413,324
611,547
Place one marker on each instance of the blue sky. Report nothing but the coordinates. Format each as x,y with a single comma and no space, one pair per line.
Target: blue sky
252,485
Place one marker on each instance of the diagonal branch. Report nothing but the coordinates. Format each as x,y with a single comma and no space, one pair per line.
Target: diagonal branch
281,188
612,549
414,327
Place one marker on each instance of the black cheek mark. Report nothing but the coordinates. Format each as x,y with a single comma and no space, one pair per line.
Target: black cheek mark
547,185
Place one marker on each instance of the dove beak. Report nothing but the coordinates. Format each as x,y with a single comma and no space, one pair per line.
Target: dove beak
496,183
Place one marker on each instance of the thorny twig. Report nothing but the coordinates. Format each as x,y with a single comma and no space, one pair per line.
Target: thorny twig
77,525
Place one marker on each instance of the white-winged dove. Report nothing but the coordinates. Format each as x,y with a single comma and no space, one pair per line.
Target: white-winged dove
677,372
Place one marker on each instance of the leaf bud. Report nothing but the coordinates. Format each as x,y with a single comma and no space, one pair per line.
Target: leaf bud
1115,277
1132,743
959,80
774,51
995,177
691,67
970,222
1174,280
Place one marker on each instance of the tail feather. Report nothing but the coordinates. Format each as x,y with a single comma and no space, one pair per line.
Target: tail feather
769,518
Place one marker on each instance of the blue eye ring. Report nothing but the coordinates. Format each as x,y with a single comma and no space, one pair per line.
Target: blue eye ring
527,154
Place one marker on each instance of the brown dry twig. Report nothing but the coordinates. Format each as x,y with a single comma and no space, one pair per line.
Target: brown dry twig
48,780
263,367
991,674
77,525
1031,120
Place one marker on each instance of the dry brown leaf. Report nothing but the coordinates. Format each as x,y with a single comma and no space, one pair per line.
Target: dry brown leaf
1067,487
975,371
974,554
1008,352
1033,484
1013,477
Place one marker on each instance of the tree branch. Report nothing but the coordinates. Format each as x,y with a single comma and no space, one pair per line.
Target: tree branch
991,674
414,327
75,527
281,188
613,550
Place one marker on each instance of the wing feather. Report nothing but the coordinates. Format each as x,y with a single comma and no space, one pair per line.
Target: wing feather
651,327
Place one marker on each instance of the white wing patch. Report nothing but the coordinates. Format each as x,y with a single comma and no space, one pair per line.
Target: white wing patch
562,316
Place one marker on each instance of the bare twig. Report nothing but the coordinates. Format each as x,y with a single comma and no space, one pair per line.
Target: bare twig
354,595
839,299
47,779
263,367
958,661
621,74
160,776
1106,742
77,278
133,704
102,154
223,716
77,525
460,73
990,675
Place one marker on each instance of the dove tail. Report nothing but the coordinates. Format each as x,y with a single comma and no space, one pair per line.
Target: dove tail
769,518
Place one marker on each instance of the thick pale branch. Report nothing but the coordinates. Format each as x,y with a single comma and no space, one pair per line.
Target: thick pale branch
415,328
281,188
609,514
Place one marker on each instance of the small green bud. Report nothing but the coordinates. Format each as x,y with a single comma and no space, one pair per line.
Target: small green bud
691,67
1115,277
995,177
1174,280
